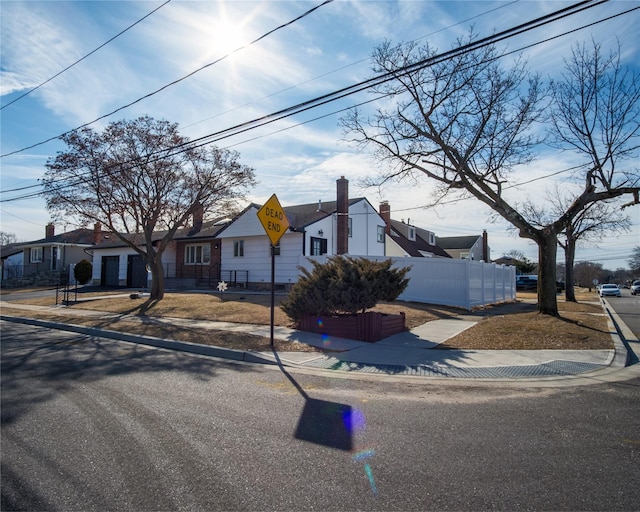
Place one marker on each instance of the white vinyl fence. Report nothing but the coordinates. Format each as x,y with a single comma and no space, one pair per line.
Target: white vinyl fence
448,282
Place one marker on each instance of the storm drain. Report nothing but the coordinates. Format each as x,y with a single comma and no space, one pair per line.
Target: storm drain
550,369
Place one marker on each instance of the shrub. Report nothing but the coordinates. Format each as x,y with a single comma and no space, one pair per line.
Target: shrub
83,271
343,285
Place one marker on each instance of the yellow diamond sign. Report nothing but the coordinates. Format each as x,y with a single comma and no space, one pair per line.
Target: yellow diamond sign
273,219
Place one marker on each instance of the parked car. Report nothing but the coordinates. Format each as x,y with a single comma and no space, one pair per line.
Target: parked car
610,290
525,283
635,287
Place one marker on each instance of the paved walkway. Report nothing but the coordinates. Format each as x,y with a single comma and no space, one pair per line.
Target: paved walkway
411,353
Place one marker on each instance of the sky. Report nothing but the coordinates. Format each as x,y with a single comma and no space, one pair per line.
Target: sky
224,77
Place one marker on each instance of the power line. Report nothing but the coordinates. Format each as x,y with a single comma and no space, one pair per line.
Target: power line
172,83
346,66
380,79
82,58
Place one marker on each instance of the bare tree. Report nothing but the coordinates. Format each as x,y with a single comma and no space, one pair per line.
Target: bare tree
588,274
465,122
7,238
142,177
590,225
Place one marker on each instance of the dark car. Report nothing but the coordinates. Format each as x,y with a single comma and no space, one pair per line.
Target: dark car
526,283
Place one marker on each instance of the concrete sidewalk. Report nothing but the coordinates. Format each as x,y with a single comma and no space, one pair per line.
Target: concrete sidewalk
411,353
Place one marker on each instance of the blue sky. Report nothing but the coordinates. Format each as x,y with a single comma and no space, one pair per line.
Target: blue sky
297,158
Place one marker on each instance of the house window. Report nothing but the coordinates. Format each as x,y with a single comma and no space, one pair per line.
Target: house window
412,234
196,254
432,239
36,255
350,226
318,246
464,255
381,234
238,248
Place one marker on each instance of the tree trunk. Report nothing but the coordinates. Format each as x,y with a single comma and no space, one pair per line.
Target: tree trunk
569,258
157,280
547,249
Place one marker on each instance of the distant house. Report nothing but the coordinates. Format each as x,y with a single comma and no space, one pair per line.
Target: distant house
349,226
474,247
46,260
403,239
191,259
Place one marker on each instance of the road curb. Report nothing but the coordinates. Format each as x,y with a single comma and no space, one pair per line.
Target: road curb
184,346
619,333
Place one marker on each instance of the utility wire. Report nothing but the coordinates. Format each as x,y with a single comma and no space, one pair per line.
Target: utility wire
243,127
172,83
346,66
82,58
392,75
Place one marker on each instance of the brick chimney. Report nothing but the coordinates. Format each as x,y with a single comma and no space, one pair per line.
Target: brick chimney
97,233
50,230
342,204
198,217
385,213
485,246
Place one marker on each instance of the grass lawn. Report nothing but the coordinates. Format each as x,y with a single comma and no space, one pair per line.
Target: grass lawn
581,325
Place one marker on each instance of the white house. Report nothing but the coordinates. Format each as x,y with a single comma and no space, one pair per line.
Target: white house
344,226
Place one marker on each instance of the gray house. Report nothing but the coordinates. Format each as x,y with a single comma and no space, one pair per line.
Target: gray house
47,260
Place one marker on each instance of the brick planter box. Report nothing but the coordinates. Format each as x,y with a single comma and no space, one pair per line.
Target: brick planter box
370,326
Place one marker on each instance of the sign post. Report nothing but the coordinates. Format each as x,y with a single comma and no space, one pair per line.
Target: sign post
275,223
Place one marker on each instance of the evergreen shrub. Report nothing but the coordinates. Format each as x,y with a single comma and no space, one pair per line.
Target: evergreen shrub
344,285
83,271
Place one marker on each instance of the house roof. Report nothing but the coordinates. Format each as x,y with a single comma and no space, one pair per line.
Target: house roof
10,250
208,229
300,216
415,247
80,236
457,242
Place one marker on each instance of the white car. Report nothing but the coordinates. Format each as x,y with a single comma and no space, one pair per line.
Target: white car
609,290
635,287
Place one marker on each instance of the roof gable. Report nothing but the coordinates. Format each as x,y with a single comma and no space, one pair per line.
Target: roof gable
457,242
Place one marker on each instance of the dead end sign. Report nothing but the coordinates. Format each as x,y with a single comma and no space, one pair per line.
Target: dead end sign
273,219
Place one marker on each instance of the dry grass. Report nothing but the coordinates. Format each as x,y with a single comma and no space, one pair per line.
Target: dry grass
581,325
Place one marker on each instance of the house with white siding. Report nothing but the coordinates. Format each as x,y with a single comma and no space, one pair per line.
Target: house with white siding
345,226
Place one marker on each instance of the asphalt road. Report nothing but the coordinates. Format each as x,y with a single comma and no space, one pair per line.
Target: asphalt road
628,308
93,424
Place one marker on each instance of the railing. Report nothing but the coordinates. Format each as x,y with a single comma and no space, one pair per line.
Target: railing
235,277
64,292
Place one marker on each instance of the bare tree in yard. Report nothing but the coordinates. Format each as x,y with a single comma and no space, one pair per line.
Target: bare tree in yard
594,222
591,224
596,114
466,122
141,177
